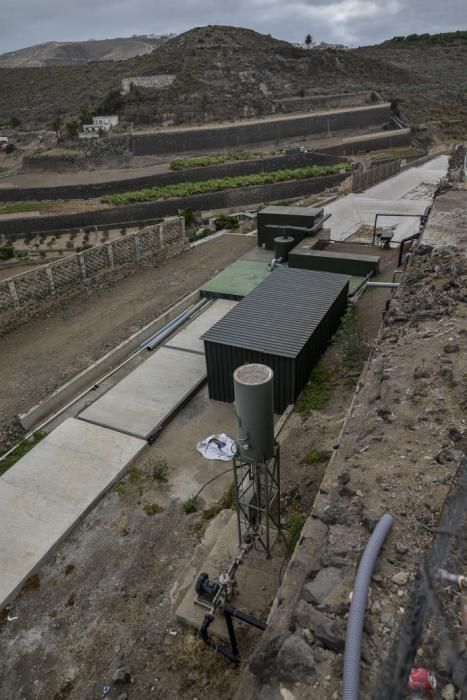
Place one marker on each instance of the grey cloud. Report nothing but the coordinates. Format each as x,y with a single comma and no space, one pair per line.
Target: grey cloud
355,22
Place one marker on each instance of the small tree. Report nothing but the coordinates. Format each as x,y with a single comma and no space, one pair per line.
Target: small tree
309,40
15,122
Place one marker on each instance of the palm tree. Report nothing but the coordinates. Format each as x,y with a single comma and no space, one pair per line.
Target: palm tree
308,40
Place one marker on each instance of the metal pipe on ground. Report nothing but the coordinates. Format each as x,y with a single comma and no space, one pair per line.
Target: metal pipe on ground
164,333
384,285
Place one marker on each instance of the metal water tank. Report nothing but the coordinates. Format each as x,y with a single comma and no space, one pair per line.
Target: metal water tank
254,409
282,247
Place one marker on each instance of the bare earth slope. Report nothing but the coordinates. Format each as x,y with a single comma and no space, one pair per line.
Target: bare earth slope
55,53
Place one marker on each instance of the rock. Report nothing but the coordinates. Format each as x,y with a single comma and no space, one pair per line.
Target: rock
286,694
308,617
329,640
322,585
121,675
401,578
269,693
376,607
421,373
450,348
295,660
449,692
370,521
449,455
123,696
401,548
388,619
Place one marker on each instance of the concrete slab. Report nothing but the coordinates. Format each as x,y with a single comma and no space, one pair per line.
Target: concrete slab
237,280
410,192
142,402
50,489
257,577
190,337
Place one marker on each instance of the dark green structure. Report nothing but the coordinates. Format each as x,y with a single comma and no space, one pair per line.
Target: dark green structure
307,258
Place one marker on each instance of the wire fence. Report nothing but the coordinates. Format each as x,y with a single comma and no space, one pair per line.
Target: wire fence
72,272
433,631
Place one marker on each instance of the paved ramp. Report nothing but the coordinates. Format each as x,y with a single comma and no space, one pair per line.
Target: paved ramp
47,492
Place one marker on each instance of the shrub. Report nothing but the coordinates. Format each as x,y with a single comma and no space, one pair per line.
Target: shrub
317,392
7,252
70,245
228,222
185,189
190,505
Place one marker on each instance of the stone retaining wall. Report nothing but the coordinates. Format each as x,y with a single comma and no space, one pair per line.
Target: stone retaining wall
30,293
263,165
189,140
119,216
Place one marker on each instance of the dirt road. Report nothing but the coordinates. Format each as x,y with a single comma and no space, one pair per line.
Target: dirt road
41,355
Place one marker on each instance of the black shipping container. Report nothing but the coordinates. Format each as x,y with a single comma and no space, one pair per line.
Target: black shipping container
275,221
285,323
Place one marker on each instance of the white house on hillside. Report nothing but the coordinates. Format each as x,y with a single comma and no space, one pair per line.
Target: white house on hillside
91,131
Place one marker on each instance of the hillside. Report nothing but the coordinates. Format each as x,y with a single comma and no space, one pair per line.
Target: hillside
439,96
225,73
54,53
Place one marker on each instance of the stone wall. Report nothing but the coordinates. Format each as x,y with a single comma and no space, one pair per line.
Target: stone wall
372,143
126,215
235,136
315,102
156,82
232,169
37,291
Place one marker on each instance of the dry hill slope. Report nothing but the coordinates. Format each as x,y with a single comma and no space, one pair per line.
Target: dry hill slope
55,53
227,73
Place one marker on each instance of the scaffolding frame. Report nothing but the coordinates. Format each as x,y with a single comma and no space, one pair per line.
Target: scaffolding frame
258,495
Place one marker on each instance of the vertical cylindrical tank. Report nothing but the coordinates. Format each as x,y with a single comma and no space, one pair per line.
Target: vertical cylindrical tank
282,246
254,409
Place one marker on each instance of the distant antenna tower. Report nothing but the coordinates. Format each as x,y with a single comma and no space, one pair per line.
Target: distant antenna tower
257,463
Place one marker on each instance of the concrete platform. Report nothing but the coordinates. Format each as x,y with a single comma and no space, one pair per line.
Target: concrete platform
190,337
237,280
49,490
257,577
142,402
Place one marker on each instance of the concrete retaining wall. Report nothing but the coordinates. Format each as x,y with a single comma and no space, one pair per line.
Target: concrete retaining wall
117,216
91,191
372,143
31,293
189,140
315,102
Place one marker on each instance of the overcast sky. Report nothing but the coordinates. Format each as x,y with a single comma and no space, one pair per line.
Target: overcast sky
352,22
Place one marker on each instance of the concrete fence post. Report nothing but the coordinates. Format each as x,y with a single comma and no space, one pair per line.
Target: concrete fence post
161,235
110,255
82,265
14,293
50,276
137,247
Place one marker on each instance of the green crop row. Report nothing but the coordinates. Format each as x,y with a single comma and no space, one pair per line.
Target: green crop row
204,161
186,189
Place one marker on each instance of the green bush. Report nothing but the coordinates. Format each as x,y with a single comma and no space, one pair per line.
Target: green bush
204,161
228,222
185,189
7,252
316,393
